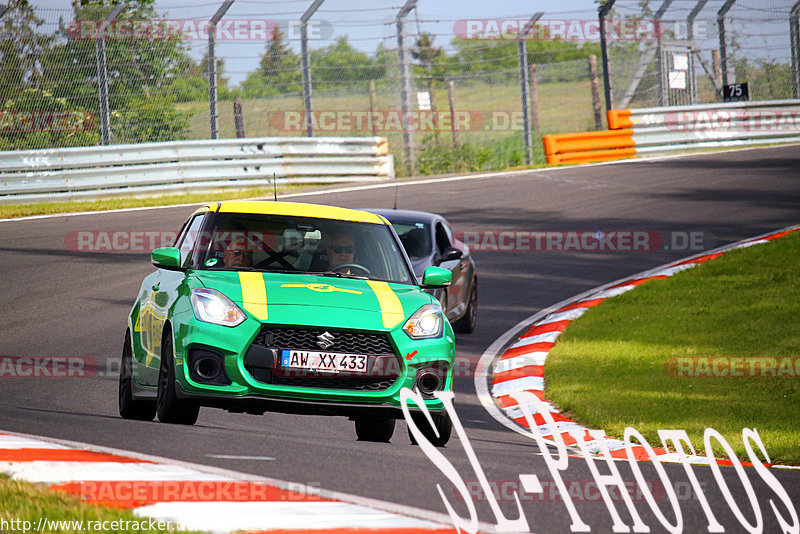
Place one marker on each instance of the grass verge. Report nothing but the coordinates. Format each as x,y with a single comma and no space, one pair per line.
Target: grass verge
638,359
22,502
11,211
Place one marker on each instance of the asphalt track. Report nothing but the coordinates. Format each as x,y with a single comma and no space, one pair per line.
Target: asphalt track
61,302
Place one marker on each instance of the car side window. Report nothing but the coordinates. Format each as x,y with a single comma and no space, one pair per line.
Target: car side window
189,238
442,239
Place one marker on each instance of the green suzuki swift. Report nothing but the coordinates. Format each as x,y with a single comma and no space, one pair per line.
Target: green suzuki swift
287,307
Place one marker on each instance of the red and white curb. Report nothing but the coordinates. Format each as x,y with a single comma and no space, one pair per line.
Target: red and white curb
515,362
200,497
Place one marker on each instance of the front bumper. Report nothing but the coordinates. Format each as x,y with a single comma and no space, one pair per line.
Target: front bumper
243,392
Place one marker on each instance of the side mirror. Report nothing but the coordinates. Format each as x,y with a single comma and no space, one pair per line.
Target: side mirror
451,254
436,277
166,258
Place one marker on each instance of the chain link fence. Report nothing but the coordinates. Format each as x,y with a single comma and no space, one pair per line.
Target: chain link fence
675,52
68,71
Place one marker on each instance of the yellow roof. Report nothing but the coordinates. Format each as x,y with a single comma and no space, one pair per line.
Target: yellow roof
297,209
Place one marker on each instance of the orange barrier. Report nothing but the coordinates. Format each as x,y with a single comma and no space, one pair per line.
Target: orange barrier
619,118
584,147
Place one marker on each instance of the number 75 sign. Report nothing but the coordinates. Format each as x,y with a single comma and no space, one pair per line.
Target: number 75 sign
736,92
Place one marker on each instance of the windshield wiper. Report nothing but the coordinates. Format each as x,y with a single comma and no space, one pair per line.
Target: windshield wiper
342,275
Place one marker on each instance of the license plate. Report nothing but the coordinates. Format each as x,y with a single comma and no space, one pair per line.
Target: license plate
323,361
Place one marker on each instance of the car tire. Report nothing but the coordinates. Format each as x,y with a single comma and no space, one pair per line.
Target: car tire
378,429
169,407
129,408
467,323
443,424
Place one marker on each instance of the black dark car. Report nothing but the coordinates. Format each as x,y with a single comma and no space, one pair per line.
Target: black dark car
429,240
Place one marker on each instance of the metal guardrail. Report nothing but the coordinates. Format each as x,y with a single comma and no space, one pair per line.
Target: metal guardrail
679,128
709,126
181,166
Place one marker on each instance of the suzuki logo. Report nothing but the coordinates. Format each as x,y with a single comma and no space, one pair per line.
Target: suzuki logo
326,340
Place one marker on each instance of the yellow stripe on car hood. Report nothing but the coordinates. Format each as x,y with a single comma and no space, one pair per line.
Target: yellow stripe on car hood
391,309
254,294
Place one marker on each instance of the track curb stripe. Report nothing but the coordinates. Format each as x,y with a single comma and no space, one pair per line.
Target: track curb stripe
201,497
516,362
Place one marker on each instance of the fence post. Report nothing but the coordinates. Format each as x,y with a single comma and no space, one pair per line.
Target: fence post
372,105
533,79
405,85
238,119
598,116
522,52
452,99
102,82
212,66
723,45
306,64
690,36
604,9
794,34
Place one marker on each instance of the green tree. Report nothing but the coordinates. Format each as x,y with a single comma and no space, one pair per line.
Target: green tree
140,71
340,63
278,70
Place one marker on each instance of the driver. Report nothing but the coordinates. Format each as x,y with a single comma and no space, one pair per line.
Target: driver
237,253
341,250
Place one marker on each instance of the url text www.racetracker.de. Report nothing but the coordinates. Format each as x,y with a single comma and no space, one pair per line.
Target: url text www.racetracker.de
558,461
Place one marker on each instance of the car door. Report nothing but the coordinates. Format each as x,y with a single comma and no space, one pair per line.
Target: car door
158,293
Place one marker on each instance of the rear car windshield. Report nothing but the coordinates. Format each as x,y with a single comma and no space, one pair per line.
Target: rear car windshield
415,236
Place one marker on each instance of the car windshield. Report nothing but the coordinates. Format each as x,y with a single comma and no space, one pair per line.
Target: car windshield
415,236
303,245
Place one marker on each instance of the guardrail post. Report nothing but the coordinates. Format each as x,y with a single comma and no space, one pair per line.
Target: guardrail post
604,9
102,81
405,85
212,66
723,46
307,65
794,32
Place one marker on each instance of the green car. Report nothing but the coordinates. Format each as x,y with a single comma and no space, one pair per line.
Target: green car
287,307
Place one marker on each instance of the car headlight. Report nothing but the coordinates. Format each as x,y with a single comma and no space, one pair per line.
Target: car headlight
211,306
425,323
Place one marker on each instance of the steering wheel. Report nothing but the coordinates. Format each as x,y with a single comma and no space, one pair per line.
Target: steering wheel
352,266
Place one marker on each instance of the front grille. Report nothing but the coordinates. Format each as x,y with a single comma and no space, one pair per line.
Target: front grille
376,346
306,339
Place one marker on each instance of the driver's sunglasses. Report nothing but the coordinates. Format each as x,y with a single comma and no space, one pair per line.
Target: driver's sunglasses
338,249
237,252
